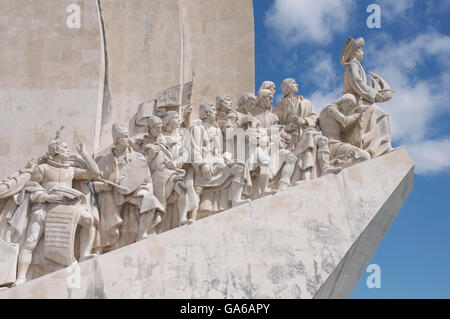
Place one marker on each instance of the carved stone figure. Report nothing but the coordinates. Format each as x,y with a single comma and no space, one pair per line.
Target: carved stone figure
14,212
57,208
256,145
309,145
169,179
332,121
219,181
224,107
268,85
372,133
129,211
282,161
175,134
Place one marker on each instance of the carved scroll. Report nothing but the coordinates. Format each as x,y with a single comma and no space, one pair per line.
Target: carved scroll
60,227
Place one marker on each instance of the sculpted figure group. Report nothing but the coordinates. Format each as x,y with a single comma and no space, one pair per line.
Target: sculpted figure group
63,208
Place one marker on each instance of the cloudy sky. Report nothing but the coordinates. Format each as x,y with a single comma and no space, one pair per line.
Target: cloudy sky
304,39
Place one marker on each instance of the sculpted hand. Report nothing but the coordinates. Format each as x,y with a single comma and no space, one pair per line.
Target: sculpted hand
54,198
206,171
32,163
171,165
188,110
81,148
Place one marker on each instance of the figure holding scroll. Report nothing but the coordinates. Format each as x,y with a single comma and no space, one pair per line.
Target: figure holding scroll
53,199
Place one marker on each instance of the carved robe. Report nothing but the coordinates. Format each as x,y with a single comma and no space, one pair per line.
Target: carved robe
206,145
304,139
372,131
119,213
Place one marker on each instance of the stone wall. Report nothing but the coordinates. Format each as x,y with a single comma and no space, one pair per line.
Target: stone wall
85,78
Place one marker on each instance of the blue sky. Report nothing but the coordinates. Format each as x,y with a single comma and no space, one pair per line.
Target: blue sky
304,39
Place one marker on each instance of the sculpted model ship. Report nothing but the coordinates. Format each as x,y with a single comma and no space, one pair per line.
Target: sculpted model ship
63,208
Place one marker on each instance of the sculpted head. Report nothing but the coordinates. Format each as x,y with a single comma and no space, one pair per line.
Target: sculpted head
268,85
247,101
208,112
120,134
353,49
223,102
154,125
289,87
171,121
57,148
346,102
265,98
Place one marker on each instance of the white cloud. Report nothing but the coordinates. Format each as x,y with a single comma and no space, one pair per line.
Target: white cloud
322,73
419,99
296,21
431,156
392,10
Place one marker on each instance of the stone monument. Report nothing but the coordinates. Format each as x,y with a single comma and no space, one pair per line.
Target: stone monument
255,201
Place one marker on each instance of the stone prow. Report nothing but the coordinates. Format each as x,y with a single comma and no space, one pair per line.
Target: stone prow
311,240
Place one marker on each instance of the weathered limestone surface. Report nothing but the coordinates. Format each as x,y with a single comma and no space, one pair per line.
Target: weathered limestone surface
86,79
49,76
312,240
146,54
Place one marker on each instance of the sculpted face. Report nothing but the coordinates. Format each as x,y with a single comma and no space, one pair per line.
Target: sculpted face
156,129
212,113
293,86
121,140
174,122
267,101
346,106
359,55
63,151
226,104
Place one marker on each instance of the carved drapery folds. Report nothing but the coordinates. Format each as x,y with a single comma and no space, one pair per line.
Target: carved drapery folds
63,208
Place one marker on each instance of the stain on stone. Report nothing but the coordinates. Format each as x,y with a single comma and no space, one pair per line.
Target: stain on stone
279,273
145,270
328,263
96,286
128,262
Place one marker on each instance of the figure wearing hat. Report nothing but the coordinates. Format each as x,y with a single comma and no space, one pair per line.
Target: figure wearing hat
372,131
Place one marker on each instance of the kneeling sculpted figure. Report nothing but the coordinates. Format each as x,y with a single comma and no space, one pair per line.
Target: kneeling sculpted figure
333,121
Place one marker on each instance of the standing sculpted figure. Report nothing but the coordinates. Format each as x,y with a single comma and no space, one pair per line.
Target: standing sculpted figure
169,179
256,144
300,120
129,212
219,181
282,161
176,135
224,108
372,131
333,121
53,192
